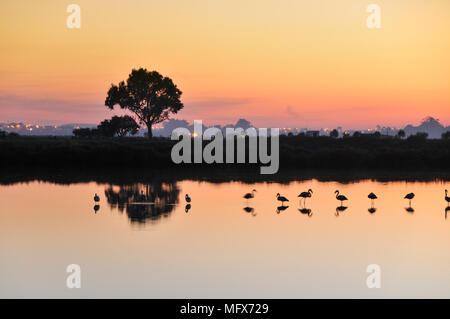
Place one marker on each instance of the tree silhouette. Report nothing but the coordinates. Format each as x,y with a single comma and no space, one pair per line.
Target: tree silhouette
149,95
334,133
401,134
118,125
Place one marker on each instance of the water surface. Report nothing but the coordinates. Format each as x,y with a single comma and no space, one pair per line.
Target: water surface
224,246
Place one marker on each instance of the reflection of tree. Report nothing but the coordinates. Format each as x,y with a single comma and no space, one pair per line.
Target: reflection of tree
144,202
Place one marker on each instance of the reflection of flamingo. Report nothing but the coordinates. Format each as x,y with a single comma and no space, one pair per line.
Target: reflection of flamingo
340,198
372,210
96,198
447,209
372,196
447,199
281,208
250,210
188,199
305,195
305,211
409,209
187,208
96,208
409,196
282,199
340,209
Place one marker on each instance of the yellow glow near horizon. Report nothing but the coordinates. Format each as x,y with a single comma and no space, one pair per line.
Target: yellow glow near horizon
298,63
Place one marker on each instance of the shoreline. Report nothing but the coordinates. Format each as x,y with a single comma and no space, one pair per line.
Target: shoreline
248,176
364,153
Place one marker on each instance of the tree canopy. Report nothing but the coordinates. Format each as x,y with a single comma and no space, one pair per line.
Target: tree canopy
118,126
149,95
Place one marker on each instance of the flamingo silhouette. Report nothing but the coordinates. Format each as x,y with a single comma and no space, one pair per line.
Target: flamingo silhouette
447,199
340,198
409,196
250,195
372,197
282,199
188,199
305,195
96,198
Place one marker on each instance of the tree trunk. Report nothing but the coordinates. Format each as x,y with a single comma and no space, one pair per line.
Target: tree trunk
149,131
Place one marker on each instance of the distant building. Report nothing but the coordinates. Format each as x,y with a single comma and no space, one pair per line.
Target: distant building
312,133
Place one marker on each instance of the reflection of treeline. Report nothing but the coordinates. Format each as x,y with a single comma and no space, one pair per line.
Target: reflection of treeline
144,202
130,175
353,152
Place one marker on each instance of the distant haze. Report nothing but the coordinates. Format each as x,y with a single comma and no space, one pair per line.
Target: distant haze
429,125
277,63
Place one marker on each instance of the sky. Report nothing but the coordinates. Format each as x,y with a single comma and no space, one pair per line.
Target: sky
276,63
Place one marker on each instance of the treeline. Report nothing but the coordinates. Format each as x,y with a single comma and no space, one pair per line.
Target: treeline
364,152
116,126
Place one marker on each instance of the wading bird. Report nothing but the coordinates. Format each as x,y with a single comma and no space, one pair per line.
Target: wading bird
447,199
96,198
372,196
305,195
282,199
409,196
250,195
188,199
340,198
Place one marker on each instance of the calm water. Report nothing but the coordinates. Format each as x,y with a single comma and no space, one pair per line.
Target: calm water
218,249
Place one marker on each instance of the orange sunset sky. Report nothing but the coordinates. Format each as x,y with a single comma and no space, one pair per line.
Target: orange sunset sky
276,63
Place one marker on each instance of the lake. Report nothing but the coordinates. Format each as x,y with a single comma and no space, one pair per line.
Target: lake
143,242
